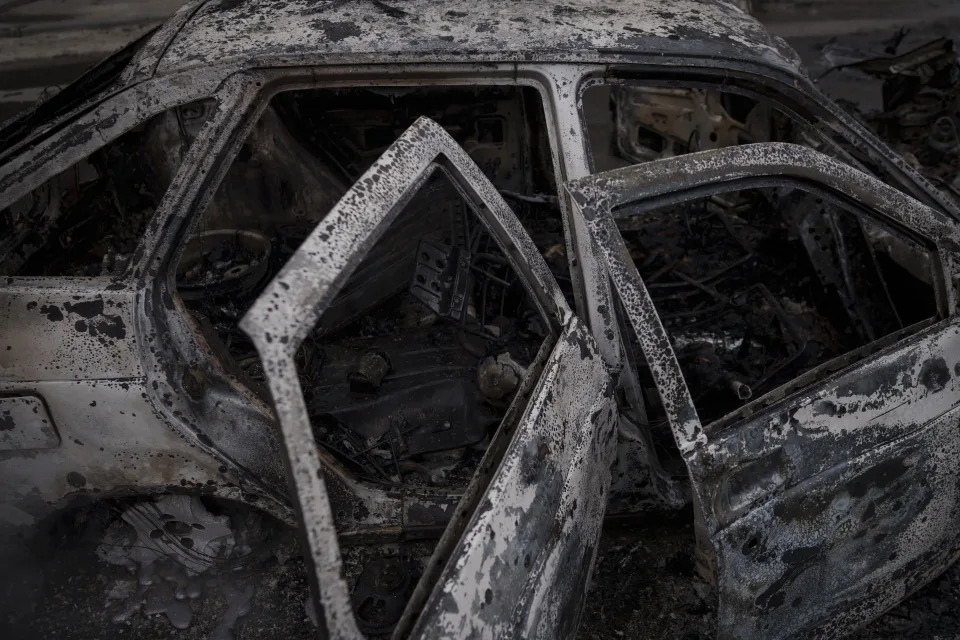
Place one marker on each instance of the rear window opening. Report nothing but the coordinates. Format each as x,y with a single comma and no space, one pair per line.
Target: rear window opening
89,219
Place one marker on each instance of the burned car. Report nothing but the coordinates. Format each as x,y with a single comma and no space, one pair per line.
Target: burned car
444,287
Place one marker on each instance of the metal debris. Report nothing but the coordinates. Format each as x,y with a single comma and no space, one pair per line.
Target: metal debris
167,543
920,112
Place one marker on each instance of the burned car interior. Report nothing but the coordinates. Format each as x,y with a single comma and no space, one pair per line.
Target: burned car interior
783,281
422,351
365,347
755,286
88,220
413,365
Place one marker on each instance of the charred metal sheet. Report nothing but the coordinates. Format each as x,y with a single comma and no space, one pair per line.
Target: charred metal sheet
835,501
595,202
423,31
855,475
294,301
111,443
522,566
145,62
67,329
474,492
25,424
592,288
191,390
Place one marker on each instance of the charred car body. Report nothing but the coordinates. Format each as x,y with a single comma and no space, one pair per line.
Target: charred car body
452,288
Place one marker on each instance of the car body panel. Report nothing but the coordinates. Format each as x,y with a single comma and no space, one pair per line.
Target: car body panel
836,548
71,329
110,442
71,346
526,557
824,508
26,424
423,31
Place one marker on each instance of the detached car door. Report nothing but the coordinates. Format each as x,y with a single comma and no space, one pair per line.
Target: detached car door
516,559
834,496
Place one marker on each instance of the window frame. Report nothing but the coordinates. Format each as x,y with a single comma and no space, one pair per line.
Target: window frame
92,131
687,177
262,87
239,421
800,101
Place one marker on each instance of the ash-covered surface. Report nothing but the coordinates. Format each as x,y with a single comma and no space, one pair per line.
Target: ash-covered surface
98,574
179,568
644,586
933,612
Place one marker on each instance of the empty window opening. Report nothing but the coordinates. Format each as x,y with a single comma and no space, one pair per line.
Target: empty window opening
757,286
89,219
628,124
411,368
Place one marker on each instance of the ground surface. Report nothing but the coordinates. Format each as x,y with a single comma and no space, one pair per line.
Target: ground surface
82,597
644,586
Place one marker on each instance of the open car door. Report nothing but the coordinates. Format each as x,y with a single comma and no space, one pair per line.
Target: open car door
516,558
834,496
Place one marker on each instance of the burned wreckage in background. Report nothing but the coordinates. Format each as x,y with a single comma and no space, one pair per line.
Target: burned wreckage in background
447,296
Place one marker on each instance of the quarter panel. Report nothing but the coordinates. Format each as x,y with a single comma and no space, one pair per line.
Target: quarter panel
112,442
67,329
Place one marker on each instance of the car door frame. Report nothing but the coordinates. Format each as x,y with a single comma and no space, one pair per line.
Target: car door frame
200,389
750,459
546,499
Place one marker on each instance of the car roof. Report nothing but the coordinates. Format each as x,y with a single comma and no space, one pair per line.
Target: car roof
222,36
250,33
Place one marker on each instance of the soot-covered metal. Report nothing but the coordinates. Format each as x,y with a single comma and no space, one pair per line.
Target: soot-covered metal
398,304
